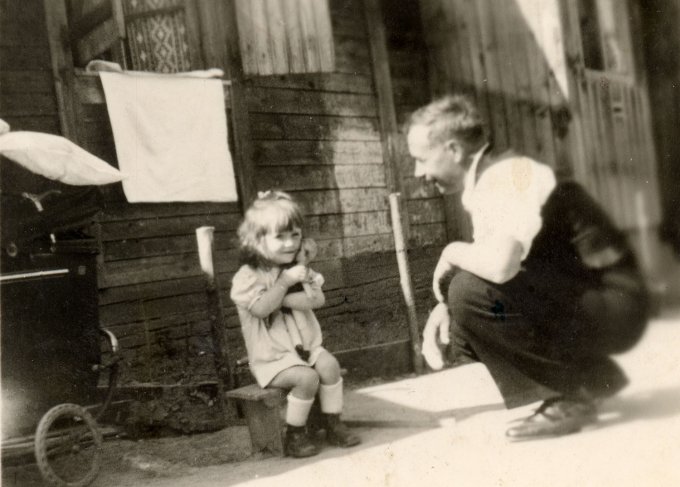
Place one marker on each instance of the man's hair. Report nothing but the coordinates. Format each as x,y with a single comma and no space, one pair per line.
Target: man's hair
451,116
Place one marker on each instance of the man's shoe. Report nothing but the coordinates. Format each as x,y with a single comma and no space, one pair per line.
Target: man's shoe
555,417
337,432
298,444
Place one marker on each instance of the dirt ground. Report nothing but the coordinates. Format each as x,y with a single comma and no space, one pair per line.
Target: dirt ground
131,462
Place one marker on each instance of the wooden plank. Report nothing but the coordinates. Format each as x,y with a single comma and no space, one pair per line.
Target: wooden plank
25,58
260,36
192,24
90,92
429,234
539,96
171,287
310,48
348,200
62,68
15,82
423,211
179,244
277,36
307,152
273,100
330,249
291,178
348,225
17,33
125,211
246,35
181,225
213,36
570,92
27,104
156,269
489,53
324,34
306,127
42,123
352,56
242,150
155,308
327,82
97,41
294,41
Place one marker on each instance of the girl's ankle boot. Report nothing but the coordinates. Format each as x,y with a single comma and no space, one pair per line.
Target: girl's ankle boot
298,444
337,432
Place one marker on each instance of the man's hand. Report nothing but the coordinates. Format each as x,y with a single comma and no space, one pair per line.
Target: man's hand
438,321
443,267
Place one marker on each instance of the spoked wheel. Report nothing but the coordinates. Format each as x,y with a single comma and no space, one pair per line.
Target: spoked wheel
68,446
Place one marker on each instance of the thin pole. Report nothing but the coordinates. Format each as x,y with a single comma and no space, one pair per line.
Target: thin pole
405,280
205,239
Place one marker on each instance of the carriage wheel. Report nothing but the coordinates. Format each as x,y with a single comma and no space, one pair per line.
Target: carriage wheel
68,446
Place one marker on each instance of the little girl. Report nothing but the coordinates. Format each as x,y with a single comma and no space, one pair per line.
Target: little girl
270,237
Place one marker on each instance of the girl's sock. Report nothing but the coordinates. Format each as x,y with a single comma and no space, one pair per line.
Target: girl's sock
330,397
297,410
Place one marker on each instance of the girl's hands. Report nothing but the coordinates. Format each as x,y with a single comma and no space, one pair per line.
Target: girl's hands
293,275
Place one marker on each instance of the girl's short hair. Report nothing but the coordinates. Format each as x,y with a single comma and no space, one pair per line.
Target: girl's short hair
272,211
451,116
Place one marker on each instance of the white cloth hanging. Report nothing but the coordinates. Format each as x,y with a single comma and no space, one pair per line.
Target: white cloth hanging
170,133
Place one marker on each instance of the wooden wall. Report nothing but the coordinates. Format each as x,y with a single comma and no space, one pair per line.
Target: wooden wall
661,24
523,62
316,136
27,100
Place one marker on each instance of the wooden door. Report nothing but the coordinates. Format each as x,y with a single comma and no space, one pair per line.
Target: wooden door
613,110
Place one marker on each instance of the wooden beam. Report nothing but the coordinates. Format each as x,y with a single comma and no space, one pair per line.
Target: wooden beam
240,126
389,134
62,67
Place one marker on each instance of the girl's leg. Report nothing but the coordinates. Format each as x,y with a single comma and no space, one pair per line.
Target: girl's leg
303,383
330,398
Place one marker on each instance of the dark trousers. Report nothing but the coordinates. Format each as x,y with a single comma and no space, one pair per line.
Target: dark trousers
548,333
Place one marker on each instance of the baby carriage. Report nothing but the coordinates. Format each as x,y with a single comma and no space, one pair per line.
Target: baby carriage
53,360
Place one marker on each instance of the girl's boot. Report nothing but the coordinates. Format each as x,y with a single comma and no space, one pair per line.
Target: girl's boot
337,432
298,444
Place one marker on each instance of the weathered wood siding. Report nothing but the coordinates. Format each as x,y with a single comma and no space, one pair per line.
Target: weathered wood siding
26,85
428,231
317,136
523,62
314,135
661,26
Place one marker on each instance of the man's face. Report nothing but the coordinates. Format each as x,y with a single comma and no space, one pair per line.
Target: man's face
439,163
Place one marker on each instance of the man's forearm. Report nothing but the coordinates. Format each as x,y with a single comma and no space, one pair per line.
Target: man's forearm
495,262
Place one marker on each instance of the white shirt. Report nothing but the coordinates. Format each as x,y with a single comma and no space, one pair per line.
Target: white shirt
507,198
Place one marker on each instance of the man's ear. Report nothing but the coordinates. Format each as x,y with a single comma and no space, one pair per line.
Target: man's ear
456,148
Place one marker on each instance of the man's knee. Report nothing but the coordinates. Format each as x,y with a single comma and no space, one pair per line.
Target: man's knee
465,289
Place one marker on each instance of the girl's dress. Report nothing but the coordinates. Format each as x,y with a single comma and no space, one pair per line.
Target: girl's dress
270,347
